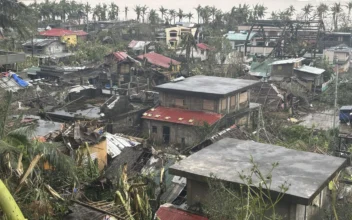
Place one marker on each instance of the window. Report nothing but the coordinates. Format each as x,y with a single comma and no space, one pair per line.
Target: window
183,141
243,97
223,104
233,101
172,43
180,102
208,104
202,52
154,129
173,33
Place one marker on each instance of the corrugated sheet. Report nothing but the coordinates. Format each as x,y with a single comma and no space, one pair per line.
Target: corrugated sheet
120,56
310,69
58,32
158,60
117,143
239,36
181,116
288,61
204,46
39,42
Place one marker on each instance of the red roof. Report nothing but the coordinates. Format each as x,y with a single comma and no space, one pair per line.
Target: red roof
58,32
181,116
80,33
204,46
170,213
120,55
132,44
158,60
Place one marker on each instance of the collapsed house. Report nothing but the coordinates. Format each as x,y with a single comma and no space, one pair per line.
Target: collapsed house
307,186
195,106
340,56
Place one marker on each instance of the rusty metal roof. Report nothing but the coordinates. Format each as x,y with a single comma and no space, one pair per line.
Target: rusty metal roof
158,60
167,212
181,116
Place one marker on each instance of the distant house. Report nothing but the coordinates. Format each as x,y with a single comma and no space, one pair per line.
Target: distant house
286,69
139,47
174,34
230,158
238,39
120,66
67,36
44,47
201,53
339,55
261,69
160,62
334,39
188,105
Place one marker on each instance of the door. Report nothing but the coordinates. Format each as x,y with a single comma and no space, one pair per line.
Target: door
166,134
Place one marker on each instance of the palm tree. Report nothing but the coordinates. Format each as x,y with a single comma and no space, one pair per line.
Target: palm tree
103,12
205,14
180,14
138,10
87,10
144,11
349,7
126,11
321,10
172,13
307,9
213,11
188,43
112,12
198,9
97,12
10,11
153,16
163,11
189,16
336,10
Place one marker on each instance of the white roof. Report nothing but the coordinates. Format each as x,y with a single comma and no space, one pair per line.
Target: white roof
116,143
293,60
310,69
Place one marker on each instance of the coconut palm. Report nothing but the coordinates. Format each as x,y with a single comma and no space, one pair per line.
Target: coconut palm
180,14
189,16
213,11
349,7
103,12
321,10
163,11
97,12
153,16
126,11
307,10
336,9
172,13
138,10
198,9
188,44
205,14
112,12
144,11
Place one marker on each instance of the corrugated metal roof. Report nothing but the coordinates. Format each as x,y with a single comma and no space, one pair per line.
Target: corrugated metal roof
167,212
120,56
293,60
116,143
261,68
204,46
158,60
310,69
58,32
9,84
138,45
39,42
239,36
181,116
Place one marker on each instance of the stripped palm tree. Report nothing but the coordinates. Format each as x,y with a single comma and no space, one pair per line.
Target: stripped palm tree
321,10
336,9
188,44
163,11
349,7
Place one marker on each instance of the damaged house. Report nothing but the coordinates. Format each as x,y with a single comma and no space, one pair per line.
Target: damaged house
227,159
190,109
339,55
121,68
310,77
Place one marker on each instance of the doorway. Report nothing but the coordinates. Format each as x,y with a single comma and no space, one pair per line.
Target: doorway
166,134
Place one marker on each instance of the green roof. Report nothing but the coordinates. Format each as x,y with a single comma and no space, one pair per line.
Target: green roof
261,68
239,36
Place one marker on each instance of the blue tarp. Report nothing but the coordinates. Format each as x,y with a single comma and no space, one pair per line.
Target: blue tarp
19,81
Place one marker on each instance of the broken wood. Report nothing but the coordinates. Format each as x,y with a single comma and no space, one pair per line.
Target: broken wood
29,171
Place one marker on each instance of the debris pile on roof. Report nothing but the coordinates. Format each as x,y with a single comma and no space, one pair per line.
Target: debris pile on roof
10,81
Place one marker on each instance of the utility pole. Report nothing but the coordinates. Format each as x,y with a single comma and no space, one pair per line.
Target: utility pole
335,101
